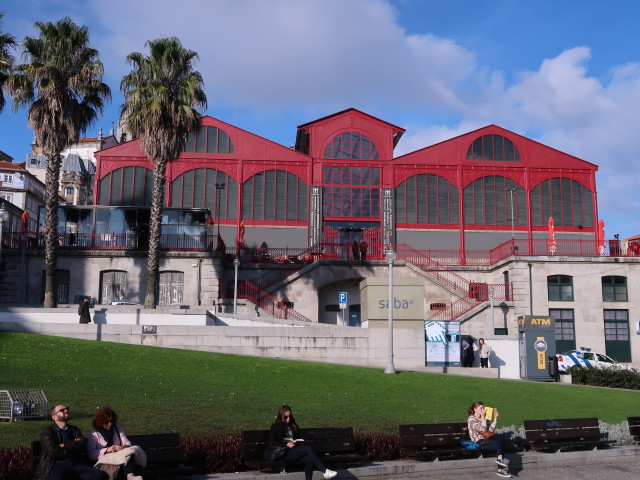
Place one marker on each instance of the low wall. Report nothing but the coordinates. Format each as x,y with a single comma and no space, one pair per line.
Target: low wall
259,337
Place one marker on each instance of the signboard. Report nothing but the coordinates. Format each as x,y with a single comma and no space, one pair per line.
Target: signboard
342,300
442,343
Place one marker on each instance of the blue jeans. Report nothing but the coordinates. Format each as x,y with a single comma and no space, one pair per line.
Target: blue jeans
306,455
493,444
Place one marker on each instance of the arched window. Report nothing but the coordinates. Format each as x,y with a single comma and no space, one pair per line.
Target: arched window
427,199
209,140
560,288
614,288
113,286
127,186
351,146
197,189
274,195
491,200
170,288
493,148
569,203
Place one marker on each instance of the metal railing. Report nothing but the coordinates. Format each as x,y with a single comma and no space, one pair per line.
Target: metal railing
267,303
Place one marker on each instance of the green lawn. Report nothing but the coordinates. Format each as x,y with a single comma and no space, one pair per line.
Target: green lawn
159,390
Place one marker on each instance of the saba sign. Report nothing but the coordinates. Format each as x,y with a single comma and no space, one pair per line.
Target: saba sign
407,303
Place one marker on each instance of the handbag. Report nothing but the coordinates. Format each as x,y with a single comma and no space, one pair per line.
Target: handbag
486,435
278,453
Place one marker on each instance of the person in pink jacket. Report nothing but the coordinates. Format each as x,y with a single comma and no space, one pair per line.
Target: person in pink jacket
108,437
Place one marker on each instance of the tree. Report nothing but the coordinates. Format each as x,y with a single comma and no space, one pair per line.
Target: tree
61,83
161,95
6,60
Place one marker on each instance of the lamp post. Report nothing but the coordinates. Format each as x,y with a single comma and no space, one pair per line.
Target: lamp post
391,257
4,216
493,318
219,186
511,192
236,264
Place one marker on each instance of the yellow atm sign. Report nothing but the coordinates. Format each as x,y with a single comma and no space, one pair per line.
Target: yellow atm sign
536,321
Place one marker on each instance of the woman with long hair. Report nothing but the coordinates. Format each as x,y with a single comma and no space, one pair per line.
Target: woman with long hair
484,434
285,444
485,350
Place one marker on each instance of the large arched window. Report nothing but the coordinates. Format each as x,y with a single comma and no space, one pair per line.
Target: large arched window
127,186
493,148
427,199
351,146
197,189
569,203
491,200
274,195
209,140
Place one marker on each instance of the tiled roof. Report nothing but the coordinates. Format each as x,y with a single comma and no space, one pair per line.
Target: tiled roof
10,166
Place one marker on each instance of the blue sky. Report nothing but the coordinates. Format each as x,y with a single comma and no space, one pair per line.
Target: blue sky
565,73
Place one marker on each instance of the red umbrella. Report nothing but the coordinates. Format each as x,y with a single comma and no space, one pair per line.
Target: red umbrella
552,237
240,239
600,237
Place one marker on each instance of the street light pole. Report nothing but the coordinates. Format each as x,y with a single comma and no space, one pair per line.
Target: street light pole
236,264
4,215
391,257
493,318
219,186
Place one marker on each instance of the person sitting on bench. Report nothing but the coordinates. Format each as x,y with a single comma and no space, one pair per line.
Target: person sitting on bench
286,445
485,435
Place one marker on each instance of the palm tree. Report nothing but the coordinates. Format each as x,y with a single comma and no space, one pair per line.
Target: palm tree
61,83
161,95
6,60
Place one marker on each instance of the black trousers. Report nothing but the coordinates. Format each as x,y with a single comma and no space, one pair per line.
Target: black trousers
306,455
70,470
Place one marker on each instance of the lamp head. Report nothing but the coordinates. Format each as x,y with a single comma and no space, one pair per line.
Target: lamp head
391,255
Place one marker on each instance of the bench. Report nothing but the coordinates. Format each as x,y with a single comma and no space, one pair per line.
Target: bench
557,434
432,441
334,446
162,450
634,427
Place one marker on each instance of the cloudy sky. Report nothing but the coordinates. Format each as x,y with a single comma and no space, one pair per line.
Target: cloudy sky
563,72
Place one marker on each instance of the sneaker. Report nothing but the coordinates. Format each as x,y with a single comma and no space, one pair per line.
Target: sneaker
503,473
501,463
329,474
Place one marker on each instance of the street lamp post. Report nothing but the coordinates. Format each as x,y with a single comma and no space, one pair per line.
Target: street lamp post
4,216
236,264
493,318
219,186
391,257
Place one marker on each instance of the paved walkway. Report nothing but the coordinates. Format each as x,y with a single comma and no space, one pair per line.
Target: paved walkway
614,463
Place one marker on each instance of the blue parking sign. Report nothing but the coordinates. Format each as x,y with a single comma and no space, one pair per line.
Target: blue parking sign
342,299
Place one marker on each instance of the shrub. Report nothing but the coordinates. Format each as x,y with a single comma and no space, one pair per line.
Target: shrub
16,463
378,446
606,377
212,454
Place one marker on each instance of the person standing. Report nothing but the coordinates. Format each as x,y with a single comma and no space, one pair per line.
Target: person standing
485,350
355,249
83,310
363,250
468,352
286,445
62,445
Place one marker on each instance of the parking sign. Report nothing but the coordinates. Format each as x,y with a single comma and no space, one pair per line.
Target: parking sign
342,299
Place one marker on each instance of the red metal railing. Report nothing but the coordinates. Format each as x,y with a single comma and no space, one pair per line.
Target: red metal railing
453,310
267,303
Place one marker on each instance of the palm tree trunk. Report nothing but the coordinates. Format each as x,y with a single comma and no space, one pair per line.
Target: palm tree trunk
52,181
155,229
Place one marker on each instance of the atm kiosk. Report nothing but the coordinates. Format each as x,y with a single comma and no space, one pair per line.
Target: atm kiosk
537,344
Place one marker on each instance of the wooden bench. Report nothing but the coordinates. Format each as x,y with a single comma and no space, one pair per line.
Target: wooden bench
334,445
634,427
432,441
162,450
557,434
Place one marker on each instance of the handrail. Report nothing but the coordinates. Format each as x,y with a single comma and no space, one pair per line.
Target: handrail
267,303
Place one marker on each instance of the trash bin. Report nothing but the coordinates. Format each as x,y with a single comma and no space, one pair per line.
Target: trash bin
552,367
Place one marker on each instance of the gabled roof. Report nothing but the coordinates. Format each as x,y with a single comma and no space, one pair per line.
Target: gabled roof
347,111
4,165
533,154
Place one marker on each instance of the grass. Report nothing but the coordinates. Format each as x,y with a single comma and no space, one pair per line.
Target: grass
161,390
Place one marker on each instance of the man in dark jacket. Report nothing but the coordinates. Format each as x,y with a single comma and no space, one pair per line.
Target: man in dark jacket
63,447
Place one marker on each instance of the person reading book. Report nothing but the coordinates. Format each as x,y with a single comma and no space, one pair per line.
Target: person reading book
286,445
483,432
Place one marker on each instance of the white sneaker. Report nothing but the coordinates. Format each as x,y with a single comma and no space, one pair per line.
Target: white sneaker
329,474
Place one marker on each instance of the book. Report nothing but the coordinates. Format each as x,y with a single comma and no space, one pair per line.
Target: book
489,413
294,440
